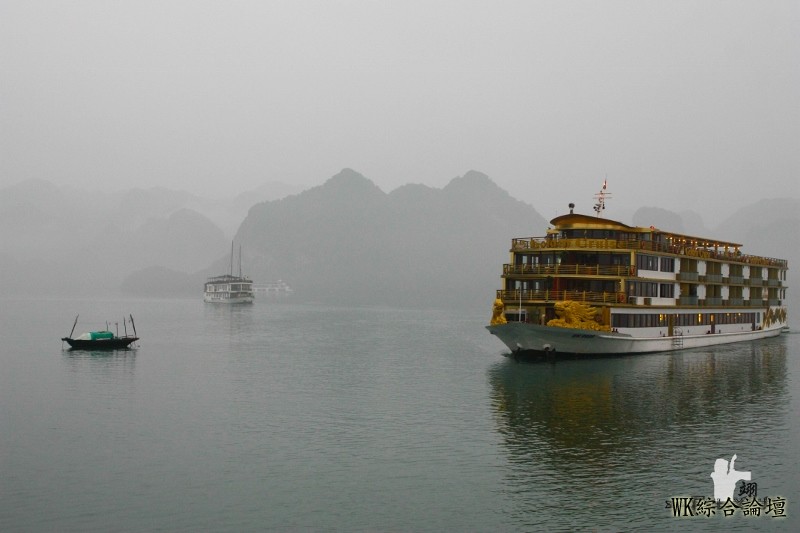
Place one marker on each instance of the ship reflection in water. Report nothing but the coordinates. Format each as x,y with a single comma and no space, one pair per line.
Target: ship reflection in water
620,436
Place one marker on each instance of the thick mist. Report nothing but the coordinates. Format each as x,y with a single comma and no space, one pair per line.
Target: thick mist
345,241
681,105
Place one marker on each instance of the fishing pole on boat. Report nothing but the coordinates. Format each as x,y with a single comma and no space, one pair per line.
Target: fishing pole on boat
73,326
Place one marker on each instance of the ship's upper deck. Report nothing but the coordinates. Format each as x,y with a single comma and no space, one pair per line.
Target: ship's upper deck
582,231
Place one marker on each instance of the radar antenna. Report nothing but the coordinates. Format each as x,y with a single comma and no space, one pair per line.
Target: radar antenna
600,198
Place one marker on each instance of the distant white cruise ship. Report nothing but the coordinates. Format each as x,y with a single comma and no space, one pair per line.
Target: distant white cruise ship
272,288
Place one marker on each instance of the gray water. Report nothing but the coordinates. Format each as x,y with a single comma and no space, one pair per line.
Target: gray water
279,416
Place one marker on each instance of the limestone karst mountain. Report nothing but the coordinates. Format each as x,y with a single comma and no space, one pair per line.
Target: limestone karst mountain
347,241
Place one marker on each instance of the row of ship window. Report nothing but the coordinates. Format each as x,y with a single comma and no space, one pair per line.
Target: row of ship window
667,290
651,290
654,320
653,263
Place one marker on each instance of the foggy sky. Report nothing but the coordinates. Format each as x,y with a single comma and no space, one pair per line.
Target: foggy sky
681,104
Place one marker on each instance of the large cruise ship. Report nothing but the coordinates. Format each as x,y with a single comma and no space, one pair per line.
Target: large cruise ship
596,286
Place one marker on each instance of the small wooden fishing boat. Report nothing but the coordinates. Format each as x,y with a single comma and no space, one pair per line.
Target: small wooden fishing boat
102,340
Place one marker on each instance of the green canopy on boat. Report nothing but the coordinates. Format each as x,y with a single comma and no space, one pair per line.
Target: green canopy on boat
96,335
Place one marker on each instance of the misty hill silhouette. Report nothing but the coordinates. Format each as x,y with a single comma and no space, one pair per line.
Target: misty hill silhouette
687,222
347,241
62,240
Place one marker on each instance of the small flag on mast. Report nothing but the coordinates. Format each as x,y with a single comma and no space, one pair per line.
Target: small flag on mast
601,198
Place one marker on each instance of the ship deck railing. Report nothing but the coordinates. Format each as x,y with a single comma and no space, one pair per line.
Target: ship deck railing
564,269
700,252
592,297
549,295
227,278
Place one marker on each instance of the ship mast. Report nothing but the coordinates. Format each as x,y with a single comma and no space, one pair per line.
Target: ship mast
600,199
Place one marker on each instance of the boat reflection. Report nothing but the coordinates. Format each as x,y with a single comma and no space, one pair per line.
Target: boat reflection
100,361
229,320
607,409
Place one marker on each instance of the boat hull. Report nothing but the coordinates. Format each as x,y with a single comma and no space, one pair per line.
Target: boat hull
232,300
523,338
116,343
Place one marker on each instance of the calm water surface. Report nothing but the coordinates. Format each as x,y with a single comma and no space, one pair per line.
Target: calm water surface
294,417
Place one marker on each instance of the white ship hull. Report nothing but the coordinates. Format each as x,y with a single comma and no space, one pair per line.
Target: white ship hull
221,299
546,340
